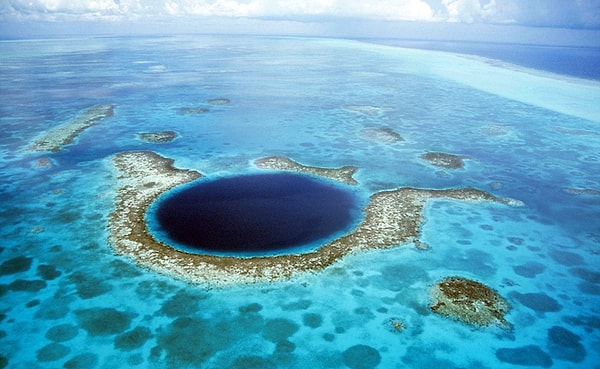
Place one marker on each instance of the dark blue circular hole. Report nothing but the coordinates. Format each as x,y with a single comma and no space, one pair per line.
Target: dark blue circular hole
256,214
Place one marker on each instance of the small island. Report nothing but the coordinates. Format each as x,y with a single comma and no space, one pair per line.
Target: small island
444,160
469,301
391,218
158,137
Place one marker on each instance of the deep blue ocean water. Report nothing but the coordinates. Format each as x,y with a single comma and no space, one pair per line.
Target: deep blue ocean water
265,214
68,301
575,61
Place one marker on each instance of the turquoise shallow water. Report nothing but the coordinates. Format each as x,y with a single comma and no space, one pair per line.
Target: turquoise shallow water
68,301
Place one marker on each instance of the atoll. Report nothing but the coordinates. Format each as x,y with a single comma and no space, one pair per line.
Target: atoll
444,160
469,301
158,137
64,134
343,174
391,218
383,135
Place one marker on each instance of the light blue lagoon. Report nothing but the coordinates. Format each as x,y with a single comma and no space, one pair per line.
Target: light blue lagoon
217,104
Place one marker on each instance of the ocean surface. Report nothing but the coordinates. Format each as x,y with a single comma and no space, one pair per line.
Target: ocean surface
581,62
526,132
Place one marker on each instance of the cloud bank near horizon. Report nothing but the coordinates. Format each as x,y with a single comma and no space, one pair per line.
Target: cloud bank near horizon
536,13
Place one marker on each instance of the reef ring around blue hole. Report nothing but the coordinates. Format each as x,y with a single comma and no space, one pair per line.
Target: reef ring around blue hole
255,214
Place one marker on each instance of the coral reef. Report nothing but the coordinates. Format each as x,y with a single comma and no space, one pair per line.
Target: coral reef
190,111
391,218
537,301
367,110
444,160
52,352
565,345
581,191
529,355
54,139
495,130
133,339
62,332
43,163
395,325
383,135
15,265
219,101
575,131
103,321
469,301
158,137
343,174
361,357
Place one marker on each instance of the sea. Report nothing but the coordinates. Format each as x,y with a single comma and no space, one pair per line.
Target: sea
525,119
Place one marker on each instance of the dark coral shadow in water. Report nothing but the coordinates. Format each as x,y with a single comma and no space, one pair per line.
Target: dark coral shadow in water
262,213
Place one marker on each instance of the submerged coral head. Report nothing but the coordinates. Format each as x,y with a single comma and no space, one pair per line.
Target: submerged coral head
256,214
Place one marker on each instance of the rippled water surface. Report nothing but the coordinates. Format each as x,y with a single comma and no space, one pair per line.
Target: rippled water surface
68,301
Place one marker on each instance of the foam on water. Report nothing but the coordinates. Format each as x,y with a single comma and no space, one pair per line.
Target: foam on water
67,300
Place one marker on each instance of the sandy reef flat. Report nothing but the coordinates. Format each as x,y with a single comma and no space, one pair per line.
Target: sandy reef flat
391,218
64,134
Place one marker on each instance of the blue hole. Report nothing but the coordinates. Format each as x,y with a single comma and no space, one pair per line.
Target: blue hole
255,214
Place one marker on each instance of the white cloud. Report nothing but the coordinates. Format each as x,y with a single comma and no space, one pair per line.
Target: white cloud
467,11
565,13
64,6
383,9
490,12
393,10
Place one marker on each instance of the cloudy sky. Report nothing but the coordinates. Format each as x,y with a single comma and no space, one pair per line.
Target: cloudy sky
302,14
